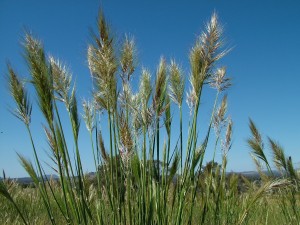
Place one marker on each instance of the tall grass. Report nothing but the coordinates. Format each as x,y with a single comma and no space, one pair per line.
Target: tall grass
139,179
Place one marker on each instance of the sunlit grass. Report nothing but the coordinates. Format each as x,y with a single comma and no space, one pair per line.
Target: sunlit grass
141,178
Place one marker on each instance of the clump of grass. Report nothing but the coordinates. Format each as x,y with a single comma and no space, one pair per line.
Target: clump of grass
139,179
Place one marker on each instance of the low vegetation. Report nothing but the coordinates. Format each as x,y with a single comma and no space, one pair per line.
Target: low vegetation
141,177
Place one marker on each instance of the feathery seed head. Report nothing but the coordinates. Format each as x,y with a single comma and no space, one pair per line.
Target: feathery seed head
20,95
223,108
191,100
256,143
126,96
219,116
278,155
176,87
211,41
33,45
88,115
219,81
103,66
205,53
104,155
125,135
160,86
103,29
61,79
102,63
92,58
226,145
51,141
145,86
255,133
100,101
125,155
41,78
198,68
128,59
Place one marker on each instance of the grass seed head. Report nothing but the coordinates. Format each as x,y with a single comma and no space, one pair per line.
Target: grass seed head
176,87
191,99
219,118
128,59
104,155
278,155
103,66
41,77
61,79
88,115
226,145
160,86
219,81
20,96
125,135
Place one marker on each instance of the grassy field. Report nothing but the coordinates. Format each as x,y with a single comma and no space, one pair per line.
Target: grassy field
255,206
141,179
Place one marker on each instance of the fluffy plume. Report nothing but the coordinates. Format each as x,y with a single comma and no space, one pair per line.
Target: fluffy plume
20,95
204,54
88,115
145,86
226,145
219,81
61,79
39,70
256,144
103,66
219,116
278,155
176,87
102,147
125,135
191,100
128,59
160,86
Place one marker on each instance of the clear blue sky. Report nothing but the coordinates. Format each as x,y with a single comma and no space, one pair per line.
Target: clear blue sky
264,63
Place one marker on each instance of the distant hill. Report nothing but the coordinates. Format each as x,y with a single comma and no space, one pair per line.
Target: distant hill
252,175
28,180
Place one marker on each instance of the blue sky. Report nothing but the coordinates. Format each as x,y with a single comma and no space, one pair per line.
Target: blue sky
264,63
